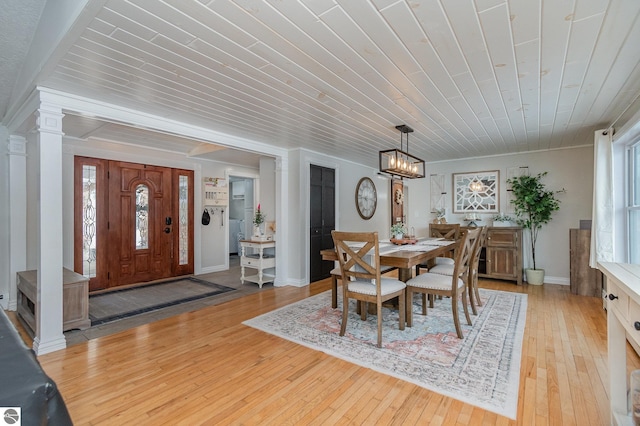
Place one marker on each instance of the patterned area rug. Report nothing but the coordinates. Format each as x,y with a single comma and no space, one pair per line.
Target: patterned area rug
483,369
119,304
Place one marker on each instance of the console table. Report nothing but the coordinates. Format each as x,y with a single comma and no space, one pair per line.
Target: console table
623,322
260,261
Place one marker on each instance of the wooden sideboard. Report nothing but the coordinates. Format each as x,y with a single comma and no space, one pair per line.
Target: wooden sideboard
501,257
623,322
75,296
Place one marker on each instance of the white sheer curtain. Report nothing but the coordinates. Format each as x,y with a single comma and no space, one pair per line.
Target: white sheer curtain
602,224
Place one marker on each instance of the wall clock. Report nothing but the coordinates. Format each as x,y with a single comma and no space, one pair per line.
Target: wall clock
366,198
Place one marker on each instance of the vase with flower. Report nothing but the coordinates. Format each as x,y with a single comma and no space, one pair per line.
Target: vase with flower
258,221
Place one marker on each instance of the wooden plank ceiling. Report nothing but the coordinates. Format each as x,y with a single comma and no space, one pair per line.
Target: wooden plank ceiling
472,77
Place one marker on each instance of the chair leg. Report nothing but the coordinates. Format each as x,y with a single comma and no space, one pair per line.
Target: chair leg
401,310
472,299
475,290
334,291
409,307
465,307
456,320
424,303
345,314
379,311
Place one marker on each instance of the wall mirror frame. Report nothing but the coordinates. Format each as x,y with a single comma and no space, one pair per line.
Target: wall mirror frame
476,192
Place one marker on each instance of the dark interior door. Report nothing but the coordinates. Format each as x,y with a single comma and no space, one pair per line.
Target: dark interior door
322,219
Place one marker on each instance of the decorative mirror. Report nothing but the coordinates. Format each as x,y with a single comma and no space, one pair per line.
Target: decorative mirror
476,192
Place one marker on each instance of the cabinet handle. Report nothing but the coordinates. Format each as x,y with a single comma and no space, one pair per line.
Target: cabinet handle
612,296
636,325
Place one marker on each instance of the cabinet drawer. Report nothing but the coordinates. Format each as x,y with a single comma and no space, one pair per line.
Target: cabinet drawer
621,304
258,263
634,316
502,238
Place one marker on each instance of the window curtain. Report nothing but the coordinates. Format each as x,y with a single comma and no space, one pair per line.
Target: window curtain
602,213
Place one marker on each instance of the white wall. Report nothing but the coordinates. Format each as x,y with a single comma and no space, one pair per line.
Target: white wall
4,218
571,169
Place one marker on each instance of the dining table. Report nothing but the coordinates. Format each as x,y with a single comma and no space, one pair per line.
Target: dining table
406,256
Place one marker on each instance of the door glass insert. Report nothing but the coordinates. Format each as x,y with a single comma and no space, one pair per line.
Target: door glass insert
142,217
183,231
89,221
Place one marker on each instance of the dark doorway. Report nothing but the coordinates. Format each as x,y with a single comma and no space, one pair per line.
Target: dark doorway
322,189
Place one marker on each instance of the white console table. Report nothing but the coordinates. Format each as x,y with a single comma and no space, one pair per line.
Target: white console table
259,261
623,322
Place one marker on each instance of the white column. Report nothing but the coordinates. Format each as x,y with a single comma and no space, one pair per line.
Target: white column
282,222
17,213
49,336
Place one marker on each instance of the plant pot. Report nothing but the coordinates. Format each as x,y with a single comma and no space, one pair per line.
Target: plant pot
399,236
501,224
534,276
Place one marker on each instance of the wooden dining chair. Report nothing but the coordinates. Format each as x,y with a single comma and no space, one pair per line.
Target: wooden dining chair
472,283
476,241
452,286
448,231
335,276
359,259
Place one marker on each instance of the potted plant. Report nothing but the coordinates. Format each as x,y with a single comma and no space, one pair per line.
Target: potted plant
398,230
258,220
534,205
501,220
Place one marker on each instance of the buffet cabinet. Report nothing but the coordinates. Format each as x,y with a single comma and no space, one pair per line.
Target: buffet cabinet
258,256
501,257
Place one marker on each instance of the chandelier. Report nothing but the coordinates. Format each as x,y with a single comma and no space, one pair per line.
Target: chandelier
397,162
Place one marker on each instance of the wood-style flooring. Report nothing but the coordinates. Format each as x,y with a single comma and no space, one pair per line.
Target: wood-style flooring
205,367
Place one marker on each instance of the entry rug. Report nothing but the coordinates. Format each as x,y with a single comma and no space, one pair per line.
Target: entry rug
483,369
119,304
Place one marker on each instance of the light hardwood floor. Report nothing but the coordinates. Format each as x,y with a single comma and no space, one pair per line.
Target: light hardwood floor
205,367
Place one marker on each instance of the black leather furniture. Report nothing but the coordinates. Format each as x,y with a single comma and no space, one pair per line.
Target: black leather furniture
24,384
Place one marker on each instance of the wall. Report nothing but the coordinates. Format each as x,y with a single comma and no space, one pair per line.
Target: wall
571,169
4,219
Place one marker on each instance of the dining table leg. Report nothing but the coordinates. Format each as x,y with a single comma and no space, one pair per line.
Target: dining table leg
405,274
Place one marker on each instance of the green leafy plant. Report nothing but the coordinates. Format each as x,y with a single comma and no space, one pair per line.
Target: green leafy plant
258,219
502,218
534,205
398,228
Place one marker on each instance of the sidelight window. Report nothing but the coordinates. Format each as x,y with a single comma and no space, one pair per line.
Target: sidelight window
183,218
89,221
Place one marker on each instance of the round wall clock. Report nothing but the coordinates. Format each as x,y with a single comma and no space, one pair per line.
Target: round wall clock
366,198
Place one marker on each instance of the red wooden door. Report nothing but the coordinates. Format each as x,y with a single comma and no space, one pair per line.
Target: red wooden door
140,223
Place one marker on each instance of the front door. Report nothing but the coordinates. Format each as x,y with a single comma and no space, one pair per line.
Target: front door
134,223
140,222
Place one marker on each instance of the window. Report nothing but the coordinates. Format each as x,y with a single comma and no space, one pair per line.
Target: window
89,204
633,203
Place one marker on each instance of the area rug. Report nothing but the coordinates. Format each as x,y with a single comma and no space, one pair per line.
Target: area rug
119,304
483,369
